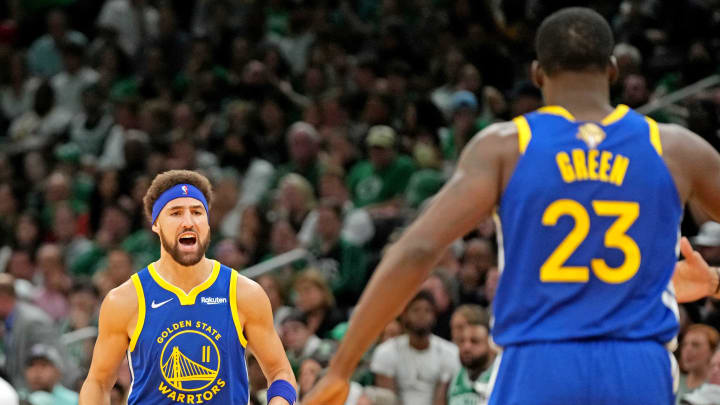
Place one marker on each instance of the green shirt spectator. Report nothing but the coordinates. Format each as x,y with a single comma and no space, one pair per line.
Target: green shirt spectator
385,175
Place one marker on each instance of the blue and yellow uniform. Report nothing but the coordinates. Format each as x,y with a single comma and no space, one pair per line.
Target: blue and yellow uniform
187,348
590,221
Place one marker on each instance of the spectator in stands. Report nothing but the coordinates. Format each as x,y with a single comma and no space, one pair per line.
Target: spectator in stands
709,392
17,94
696,349
44,58
273,288
707,242
294,200
342,262
315,299
440,286
303,144
300,343
43,124
43,374
51,297
464,315
79,328
118,269
73,79
24,325
417,366
379,182
134,21
90,128
471,385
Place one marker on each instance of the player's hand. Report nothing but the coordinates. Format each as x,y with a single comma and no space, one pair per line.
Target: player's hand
330,390
693,278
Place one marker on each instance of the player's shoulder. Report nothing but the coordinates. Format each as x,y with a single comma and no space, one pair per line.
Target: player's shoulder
121,301
251,297
678,141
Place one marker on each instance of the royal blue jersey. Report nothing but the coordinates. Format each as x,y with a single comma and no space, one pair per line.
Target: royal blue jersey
187,348
588,230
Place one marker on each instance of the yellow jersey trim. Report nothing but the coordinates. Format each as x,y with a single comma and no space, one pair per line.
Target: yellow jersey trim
186,298
616,115
557,110
141,312
524,133
612,118
233,308
654,135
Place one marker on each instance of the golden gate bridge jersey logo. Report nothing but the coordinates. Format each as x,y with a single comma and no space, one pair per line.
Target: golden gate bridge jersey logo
190,361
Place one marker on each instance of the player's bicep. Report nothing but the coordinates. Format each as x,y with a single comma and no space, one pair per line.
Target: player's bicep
112,341
468,197
706,179
262,339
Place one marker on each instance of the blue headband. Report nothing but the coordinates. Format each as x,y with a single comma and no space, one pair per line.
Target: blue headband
178,191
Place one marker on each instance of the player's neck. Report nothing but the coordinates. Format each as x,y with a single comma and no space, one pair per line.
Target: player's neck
418,342
184,277
586,95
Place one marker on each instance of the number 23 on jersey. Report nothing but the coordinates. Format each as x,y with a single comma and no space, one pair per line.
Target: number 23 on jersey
554,271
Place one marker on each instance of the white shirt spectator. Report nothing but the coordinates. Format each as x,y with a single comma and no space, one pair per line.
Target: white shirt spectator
15,104
68,87
8,396
122,16
416,372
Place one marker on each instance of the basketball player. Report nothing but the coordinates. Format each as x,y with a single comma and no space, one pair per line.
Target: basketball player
588,200
185,320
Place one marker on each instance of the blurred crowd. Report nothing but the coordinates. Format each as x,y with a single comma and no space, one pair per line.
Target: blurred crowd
324,126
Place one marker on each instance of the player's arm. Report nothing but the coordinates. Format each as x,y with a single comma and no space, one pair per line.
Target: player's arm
467,198
695,166
256,313
117,311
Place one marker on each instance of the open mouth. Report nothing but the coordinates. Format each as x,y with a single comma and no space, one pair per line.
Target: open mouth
188,239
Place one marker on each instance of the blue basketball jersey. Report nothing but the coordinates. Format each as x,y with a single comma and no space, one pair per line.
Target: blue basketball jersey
588,230
187,348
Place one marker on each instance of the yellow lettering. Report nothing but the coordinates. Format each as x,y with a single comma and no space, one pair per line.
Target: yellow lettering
199,399
164,334
593,164
619,168
197,324
204,325
175,326
172,395
190,399
181,398
221,383
215,389
207,395
217,337
579,164
164,388
214,332
159,340
605,157
566,169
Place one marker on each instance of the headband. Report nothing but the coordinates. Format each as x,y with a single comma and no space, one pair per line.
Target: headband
178,191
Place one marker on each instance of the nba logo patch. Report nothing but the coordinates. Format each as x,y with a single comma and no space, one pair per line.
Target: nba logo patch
184,189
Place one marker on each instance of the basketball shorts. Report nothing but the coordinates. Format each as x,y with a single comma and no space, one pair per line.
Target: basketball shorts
595,372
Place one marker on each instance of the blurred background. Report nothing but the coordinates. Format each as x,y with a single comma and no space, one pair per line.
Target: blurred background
324,127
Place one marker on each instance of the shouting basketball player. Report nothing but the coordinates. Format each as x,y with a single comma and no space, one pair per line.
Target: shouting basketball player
185,320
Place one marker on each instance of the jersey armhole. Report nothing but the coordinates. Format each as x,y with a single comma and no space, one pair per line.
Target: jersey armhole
654,135
141,311
524,133
234,309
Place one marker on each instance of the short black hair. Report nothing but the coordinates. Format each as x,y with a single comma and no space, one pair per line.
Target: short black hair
423,295
574,39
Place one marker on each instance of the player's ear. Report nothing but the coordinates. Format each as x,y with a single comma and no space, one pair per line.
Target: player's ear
613,70
155,228
537,74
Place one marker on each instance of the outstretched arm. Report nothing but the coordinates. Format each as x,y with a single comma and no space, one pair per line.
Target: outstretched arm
467,198
256,313
117,310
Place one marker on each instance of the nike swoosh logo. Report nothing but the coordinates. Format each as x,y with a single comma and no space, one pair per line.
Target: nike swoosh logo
159,304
